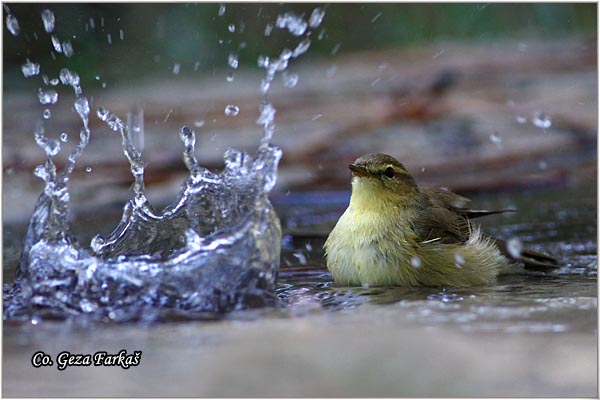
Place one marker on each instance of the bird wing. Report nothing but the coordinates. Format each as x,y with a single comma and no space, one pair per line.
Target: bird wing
447,219
439,219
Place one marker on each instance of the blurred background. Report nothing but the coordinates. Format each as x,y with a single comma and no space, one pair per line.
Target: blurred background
157,36
495,101
470,96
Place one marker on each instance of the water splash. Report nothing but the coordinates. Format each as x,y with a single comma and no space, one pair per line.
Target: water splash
67,48
56,44
316,17
233,60
496,138
232,110
295,24
541,120
48,96
12,24
514,247
48,20
289,80
30,69
216,248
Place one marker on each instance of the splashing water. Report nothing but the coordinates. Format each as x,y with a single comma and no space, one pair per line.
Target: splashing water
12,24
541,120
216,248
47,97
232,110
295,24
30,69
233,60
48,20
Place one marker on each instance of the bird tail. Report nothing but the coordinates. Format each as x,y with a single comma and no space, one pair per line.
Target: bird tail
531,259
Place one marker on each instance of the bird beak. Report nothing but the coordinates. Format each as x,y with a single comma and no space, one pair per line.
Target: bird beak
358,170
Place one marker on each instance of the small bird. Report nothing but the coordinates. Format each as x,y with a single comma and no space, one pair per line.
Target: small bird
395,233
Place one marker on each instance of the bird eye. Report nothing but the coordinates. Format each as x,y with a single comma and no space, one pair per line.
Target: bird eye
389,172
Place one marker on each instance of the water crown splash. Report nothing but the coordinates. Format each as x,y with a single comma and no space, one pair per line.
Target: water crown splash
216,248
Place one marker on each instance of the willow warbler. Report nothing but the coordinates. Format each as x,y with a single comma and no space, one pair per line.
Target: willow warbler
395,233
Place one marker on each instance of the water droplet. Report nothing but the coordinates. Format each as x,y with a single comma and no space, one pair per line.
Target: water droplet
316,17
268,29
459,260
415,262
495,138
67,48
88,169
64,137
82,107
221,10
12,24
92,23
40,172
521,119
30,69
233,60
439,53
541,120
54,81
48,20
514,247
376,17
231,28
232,110
47,113
187,136
264,86
229,77
263,61
336,49
316,117
196,66
176,68
56,44
289,80
47,97
168,116
292,22
52,147
301,48
70,78
543,165
121,34
109,38
322,34
267,114
199,123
